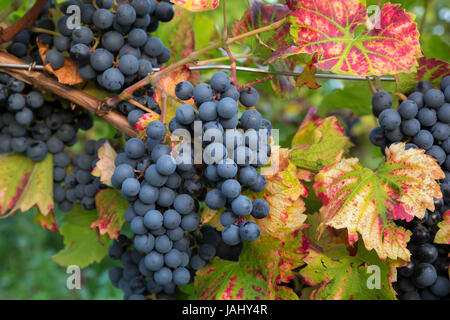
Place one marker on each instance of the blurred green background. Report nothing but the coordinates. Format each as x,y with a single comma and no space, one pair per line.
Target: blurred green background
27,270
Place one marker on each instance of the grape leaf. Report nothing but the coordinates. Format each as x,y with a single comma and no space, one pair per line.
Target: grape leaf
268,262
67,74
337,275
83,245
283,192
255,277
111,208
105,166
197,5
25,184
334,30
429,69
443,234
39,188
366,202
318,142
47,222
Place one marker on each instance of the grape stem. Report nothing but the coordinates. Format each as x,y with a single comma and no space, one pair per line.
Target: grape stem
42,30
9,33
371,86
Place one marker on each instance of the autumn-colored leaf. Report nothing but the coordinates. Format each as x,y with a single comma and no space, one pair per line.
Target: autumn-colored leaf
264,265
83,245
105,167
255,277
318,143
111,208
283,193
197,5
307,75
145,119
39,188
335,30
67,74
337,275
15,172
25,184
366,202
443,234
47,222
429,69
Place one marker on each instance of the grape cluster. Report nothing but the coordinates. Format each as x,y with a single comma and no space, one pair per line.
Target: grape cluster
114,44
136,281
233,149
33,126
163,186
72,178
423,121
160,212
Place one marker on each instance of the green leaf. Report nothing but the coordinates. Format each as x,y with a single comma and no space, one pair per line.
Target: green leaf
25,184
111,207
337,275
83,245
318,143
366,202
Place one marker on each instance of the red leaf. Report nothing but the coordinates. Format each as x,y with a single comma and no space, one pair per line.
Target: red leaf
328,27
111,208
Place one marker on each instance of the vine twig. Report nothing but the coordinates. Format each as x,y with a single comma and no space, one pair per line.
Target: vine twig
79,97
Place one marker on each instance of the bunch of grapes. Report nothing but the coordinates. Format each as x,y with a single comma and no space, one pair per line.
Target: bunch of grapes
423,121
163,186
33,126
234,148
124,50
136,281
160,212
73,181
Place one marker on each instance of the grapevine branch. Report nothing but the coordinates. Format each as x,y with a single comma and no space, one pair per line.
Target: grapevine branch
9,33
74,95
191,58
